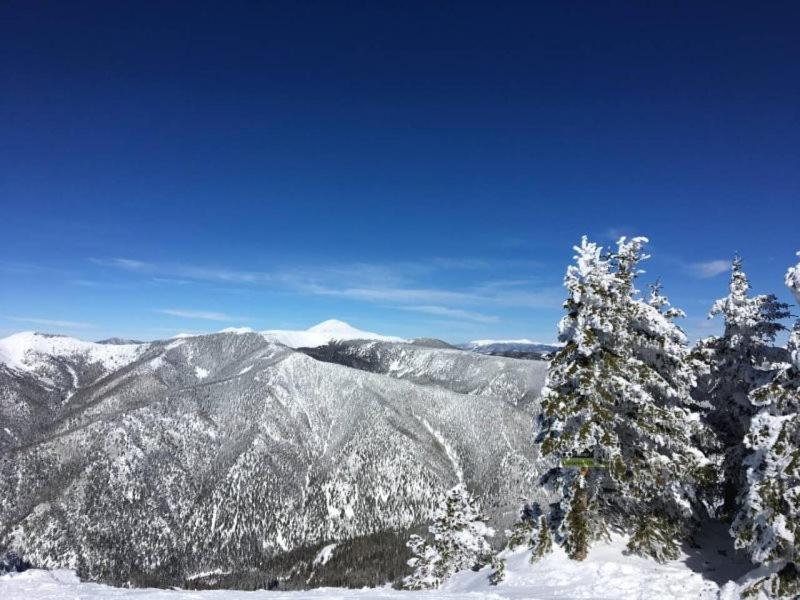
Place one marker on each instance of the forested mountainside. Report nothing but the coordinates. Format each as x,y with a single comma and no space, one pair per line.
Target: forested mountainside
515,381
229,458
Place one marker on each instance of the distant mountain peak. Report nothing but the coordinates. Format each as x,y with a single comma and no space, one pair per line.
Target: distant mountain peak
323,333
332,325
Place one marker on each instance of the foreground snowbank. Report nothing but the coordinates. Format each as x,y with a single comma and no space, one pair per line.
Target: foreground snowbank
607,574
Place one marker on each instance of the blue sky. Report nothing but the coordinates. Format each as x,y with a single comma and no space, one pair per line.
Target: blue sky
414,168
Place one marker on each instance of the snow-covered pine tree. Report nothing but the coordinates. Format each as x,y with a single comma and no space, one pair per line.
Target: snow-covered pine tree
767,525
739,361
459,541
614,411
531,529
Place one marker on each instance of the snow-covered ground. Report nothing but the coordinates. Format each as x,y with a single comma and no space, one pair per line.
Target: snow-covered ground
607,574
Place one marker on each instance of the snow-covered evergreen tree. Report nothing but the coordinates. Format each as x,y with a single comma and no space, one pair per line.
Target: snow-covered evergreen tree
531,529
13,563
767,525
459,541
739,361
615,410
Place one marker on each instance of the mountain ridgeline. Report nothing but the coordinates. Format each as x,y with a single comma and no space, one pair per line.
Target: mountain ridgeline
232,460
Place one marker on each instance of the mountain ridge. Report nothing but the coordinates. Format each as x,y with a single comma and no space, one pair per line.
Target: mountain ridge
236,447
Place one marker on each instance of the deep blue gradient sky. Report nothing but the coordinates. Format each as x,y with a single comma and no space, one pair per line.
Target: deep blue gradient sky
414,168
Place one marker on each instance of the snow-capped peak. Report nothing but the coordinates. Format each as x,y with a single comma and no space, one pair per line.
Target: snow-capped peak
332,325
25,350
322,333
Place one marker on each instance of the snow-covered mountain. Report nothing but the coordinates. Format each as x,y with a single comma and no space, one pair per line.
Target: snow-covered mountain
39,374
31,351
321,334
522,347
228,453
515,381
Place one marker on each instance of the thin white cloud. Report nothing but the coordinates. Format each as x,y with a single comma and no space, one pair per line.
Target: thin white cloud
128,264
170,281
86,283
707,269
206,315
456,313
15,267
52,323
392,283
393,294
483,295
548,298
181,272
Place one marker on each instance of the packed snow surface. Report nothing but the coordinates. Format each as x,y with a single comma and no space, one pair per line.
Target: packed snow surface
24,351
607,574
321,334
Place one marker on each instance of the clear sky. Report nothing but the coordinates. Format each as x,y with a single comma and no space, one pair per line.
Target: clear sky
414,168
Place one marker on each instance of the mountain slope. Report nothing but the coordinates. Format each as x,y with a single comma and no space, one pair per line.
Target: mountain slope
500,346
39,375
513,380
223,452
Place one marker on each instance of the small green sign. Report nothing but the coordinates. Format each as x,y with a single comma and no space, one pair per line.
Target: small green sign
588,463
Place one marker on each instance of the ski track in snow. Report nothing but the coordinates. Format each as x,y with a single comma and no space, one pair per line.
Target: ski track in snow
62,585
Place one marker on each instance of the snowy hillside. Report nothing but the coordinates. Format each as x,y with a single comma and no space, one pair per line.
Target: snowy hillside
29,351
517,381
231,453
607,574
40,374
323,333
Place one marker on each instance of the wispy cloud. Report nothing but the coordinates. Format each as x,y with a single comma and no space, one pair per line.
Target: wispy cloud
206,315
455,313
182,272
19,268
707,269
52,323
547,298
404,283
128,264
87,283
170,281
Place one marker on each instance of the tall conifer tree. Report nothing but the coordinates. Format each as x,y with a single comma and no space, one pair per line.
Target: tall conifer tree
615,411
767,524
740,360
